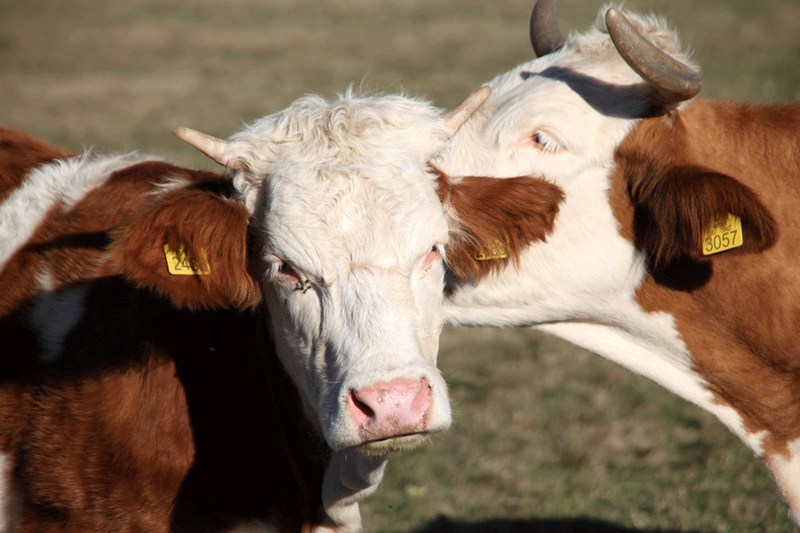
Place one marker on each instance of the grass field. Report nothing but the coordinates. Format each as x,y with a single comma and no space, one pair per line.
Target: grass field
547,437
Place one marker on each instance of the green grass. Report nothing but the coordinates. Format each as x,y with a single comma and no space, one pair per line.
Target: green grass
545,432
546,437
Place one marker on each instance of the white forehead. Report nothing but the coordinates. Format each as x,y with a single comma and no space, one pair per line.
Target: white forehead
593,55
585,92
345,181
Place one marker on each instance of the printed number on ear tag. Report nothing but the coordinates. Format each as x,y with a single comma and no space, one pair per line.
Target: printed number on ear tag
724,234
498,251
181,263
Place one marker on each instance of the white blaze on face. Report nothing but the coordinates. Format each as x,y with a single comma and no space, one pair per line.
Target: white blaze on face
352,233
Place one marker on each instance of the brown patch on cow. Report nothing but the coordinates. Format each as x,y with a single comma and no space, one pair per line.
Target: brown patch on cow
19,153
675,198
484,213
737,311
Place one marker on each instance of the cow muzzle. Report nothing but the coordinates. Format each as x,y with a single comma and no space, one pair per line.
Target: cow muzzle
392,416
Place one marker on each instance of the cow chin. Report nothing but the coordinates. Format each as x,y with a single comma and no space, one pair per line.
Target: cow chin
394,444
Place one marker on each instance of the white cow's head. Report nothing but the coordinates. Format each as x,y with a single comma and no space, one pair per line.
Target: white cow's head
561,117
350,234
566,112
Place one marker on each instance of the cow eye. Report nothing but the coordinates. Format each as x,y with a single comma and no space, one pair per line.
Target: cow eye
434,256
287,273
545,142
280,270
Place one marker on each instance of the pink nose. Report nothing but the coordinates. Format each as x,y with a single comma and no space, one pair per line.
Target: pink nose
392,409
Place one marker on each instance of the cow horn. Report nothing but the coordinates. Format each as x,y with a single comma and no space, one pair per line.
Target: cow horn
675,81
456,117
216,149
546,36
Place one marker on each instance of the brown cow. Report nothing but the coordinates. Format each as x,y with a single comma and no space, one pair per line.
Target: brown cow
133,400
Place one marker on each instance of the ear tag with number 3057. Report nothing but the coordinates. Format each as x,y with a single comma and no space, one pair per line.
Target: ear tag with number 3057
724,234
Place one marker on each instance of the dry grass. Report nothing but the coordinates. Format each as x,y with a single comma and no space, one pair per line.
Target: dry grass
547,437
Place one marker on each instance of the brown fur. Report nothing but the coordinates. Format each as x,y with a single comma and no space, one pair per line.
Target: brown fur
737,311
181,219
19,152
72,246
482,212
167,408
676,198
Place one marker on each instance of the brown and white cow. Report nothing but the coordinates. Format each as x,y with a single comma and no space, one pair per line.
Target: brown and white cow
132,399
139,398
648,171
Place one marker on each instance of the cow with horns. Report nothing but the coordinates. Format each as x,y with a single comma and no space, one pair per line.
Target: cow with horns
191,351
674,252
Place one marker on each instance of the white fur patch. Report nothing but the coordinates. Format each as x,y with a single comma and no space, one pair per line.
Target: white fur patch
44,280
786,472
61,183
349,478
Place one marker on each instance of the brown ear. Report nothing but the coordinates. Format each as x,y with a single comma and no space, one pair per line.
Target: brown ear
673,207
212,234
492,220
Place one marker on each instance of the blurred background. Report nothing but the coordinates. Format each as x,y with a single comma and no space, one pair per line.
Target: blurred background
546,437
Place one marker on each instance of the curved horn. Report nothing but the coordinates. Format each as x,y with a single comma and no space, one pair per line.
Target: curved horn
675,81
545,34
456,117
216,149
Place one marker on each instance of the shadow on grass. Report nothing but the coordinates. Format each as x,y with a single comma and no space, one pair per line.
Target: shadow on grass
534,525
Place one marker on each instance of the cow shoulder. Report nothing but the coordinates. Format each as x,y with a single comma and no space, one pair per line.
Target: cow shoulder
492,220
189,245
676,199
19,153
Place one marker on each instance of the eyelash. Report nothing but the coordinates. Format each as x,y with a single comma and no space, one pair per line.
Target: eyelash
282,271
545,142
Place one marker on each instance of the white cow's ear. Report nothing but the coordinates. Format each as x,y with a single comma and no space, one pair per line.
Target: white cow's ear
216,149
456,117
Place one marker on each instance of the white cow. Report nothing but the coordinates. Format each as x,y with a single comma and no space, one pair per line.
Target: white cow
351,235
647,170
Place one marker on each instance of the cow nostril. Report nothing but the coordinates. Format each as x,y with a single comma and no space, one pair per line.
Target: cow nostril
361,406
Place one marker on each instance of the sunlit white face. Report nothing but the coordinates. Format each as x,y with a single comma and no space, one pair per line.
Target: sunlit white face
545,119
358,290
559,117
352,240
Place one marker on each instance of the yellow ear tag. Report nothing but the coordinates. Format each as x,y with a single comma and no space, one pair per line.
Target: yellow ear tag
180,263
498,251
724,234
